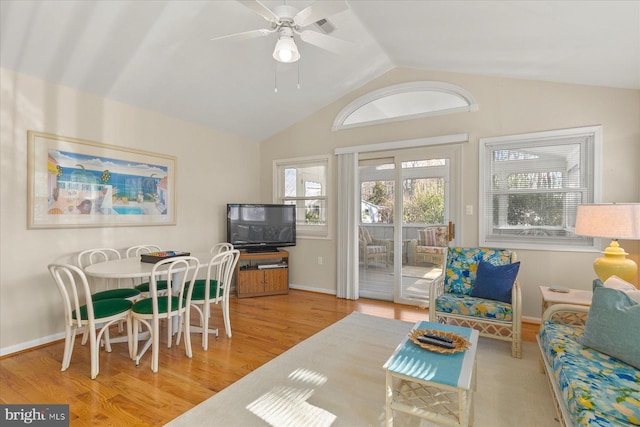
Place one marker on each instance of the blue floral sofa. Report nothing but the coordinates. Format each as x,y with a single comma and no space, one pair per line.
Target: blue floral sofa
590,388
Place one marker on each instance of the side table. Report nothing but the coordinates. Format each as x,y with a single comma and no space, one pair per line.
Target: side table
437,387
574,296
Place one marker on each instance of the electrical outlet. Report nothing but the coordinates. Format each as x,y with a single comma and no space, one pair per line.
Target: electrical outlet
319,260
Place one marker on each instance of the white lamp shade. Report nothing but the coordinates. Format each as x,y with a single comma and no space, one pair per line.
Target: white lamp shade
286,50
615,221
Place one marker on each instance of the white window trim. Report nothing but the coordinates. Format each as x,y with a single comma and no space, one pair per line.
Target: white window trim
596,131
300,233
419,86
407,143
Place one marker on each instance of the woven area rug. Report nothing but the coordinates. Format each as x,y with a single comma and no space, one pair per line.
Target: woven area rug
335,378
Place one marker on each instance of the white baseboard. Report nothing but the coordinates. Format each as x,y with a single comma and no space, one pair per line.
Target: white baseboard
312,289
529,319
30,344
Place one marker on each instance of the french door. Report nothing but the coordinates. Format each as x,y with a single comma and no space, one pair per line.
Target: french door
401,193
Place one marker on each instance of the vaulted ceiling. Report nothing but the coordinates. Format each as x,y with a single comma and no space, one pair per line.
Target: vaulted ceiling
159,55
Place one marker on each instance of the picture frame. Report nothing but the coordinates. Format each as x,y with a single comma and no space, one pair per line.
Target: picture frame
74,183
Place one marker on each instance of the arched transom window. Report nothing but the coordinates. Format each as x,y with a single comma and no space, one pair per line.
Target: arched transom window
403,102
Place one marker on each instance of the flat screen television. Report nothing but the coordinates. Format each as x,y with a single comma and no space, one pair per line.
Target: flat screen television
261,227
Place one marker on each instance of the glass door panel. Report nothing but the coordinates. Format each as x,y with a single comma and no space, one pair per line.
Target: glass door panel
404,199
424,205
376,241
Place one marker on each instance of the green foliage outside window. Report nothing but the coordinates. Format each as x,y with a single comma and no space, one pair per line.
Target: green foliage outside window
426,203
423,200
532,209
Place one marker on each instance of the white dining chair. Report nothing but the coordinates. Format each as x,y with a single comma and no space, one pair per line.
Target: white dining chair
214,290
181,273
220,247
92,256
143,284
136,251
81,311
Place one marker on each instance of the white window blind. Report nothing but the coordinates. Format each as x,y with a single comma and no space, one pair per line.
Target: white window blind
531,186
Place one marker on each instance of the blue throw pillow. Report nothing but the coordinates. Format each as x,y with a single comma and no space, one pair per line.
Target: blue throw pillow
612,326
495,281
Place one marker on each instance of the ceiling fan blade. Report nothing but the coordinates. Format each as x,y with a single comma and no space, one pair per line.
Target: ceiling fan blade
260,9
325,42
246,35
317,11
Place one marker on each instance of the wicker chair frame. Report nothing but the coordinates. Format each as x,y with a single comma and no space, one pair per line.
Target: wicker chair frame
491,328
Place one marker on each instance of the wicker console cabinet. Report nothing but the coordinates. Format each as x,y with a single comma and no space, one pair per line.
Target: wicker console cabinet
264,273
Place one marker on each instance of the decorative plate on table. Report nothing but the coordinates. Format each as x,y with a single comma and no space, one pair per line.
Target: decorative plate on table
460,343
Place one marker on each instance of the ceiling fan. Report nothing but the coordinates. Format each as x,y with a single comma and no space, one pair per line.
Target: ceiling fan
286,20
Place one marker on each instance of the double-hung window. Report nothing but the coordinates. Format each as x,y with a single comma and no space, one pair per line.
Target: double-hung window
304,183
531,186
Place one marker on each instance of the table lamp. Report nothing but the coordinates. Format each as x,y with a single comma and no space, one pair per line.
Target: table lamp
615,221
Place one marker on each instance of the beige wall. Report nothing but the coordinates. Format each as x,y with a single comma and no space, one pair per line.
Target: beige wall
506,106
208,161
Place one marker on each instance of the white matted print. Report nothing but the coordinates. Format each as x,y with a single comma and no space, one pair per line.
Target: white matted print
74,183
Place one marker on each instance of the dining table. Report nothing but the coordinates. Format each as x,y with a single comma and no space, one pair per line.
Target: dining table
134,268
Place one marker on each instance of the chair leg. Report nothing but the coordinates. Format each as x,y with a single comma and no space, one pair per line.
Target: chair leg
107,340
69,339
135,328
204,323
225,316
155,343
129,334
186,319
180,327
95,354
85,336
516,349
169,332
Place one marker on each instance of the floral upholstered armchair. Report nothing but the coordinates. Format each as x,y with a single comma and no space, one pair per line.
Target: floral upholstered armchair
431,246
479,289
371,249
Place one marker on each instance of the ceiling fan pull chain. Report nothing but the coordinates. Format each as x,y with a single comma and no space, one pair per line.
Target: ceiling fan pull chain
298,64
275,79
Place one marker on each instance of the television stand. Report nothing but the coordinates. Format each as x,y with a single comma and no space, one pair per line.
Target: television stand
262,250
262,273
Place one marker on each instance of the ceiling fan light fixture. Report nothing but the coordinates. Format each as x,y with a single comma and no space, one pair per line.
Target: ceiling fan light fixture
286,50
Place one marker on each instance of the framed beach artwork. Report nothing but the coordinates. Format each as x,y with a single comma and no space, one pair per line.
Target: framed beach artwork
72,183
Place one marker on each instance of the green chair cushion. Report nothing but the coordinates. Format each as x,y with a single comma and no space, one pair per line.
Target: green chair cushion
121,293
160,284
199,288
105,308
145,306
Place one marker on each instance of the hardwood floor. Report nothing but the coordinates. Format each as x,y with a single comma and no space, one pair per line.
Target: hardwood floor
124,394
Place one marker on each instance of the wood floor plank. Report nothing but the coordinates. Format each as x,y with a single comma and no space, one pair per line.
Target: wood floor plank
124,394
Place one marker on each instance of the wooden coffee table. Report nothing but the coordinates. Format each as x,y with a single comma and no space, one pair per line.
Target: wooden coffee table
434,386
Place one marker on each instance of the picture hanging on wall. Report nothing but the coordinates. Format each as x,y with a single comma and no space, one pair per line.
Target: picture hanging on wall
72,183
